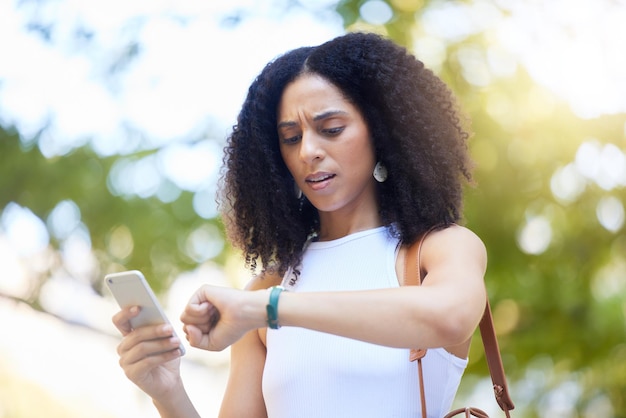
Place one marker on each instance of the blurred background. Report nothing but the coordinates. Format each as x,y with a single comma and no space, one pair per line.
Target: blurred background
113,116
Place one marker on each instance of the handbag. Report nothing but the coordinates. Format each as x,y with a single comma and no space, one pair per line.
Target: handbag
412,274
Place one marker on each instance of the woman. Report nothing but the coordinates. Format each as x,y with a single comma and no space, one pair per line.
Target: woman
343,155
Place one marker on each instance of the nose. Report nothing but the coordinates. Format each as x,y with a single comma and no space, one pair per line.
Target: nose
311,147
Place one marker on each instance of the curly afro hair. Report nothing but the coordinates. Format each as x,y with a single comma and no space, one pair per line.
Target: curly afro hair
413,119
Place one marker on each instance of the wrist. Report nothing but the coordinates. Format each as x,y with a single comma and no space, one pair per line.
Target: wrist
175,403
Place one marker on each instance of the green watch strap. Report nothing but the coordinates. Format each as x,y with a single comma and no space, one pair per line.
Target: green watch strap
272,307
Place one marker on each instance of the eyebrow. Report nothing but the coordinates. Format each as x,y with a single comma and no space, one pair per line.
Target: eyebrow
329,114
324,115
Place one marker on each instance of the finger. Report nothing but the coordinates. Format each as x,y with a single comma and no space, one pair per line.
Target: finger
191,332
195,313
196,337
147,342
214,340
148,349
199,295
139,370
206,322
121,320
143,334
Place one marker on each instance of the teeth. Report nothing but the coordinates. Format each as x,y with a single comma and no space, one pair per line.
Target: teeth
317,180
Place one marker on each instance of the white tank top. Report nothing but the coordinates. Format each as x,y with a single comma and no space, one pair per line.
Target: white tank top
309,374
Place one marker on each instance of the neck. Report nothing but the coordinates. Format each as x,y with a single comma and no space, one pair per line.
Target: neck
333,227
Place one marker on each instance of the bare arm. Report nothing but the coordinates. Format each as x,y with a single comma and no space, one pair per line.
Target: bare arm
243,396
443,312
176,405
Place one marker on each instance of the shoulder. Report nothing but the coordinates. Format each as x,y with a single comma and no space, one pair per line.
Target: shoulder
454,243
264,280
454,234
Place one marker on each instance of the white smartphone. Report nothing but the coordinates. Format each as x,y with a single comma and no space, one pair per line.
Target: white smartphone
130,288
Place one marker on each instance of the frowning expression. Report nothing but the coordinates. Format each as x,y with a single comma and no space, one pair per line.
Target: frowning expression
326,145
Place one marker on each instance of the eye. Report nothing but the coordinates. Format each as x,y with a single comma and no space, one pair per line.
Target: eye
333,131
291,139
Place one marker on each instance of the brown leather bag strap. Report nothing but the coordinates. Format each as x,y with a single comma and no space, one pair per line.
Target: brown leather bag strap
413,276
412,273
494,361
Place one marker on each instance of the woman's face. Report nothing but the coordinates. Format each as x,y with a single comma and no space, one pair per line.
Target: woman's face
326,145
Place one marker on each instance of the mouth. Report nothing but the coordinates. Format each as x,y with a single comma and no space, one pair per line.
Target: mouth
319,181
318,178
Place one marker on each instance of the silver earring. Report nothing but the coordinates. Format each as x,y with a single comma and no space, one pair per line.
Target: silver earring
380,172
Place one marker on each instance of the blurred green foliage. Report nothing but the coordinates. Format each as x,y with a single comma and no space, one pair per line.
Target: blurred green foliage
125,231
559,312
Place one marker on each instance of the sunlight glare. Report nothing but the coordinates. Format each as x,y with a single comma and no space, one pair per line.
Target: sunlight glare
120,242
431,51
204,202
474,66
204,243
567,184
191,167
124,77
560,401
456,21
76,252
139,177
501,62
610,213
26,232
610,280
376,12
14,280
63,219
603,164
574,47
535,235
